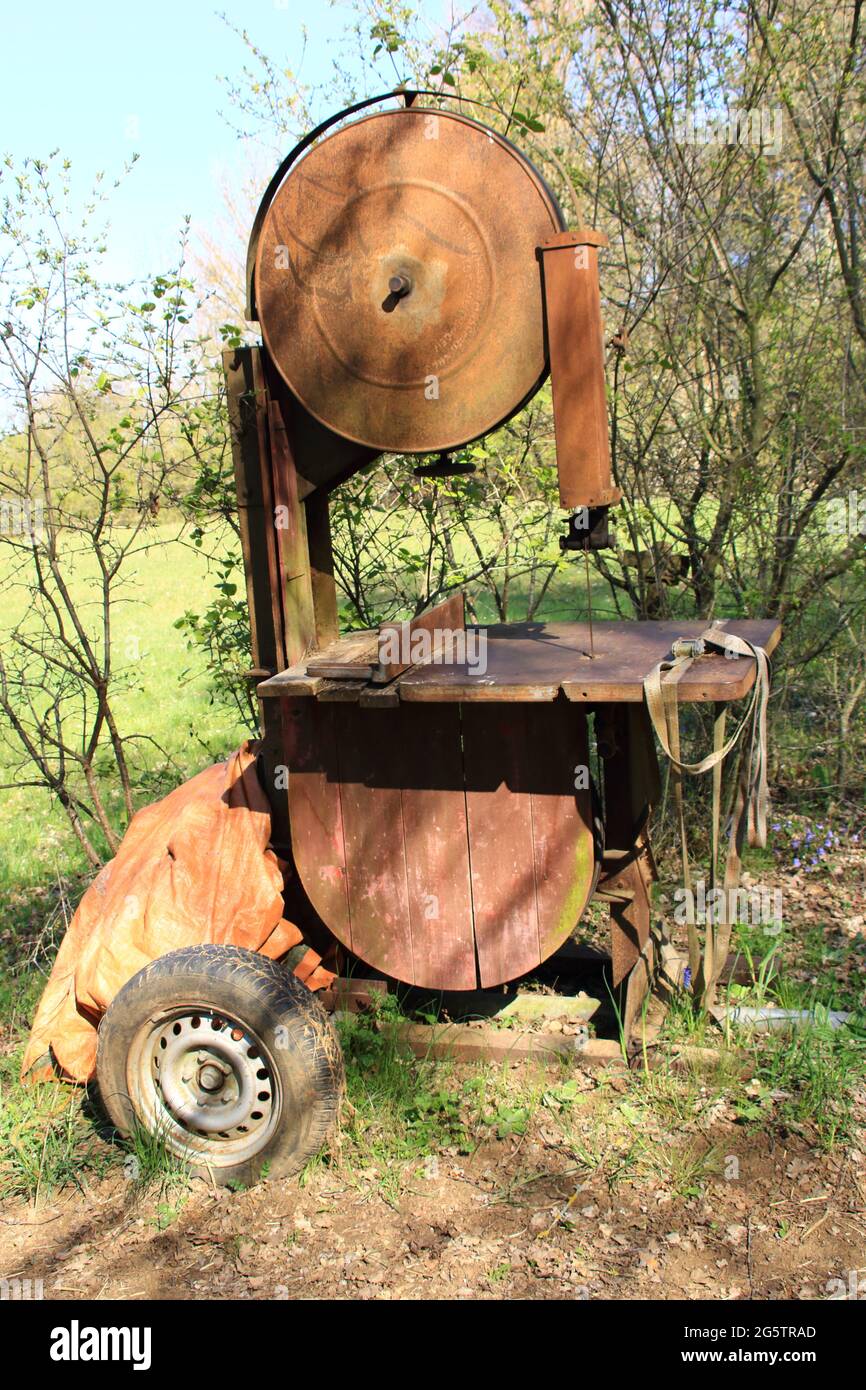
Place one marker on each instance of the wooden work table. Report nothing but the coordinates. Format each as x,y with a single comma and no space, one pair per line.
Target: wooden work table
534,662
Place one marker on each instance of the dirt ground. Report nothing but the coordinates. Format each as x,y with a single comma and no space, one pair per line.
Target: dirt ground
514,1220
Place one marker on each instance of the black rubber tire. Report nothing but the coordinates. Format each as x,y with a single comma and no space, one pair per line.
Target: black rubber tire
261,996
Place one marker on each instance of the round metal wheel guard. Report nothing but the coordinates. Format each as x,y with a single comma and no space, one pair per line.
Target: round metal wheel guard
205,1084
399,298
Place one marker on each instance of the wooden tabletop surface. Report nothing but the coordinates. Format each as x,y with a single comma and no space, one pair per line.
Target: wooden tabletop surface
535,661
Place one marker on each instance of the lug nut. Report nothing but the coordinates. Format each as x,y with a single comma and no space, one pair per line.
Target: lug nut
210,1078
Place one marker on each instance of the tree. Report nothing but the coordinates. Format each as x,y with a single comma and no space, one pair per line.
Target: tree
722,150
102,392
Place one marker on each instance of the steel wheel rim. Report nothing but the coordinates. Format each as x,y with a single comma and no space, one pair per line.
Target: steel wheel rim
206,1084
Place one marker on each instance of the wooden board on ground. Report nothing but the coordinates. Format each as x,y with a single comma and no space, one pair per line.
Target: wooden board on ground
458,1042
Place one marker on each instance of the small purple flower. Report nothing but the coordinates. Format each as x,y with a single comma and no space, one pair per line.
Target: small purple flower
796,863
687,977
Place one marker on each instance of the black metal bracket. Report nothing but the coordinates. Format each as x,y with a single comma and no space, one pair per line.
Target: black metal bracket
444,466
588,529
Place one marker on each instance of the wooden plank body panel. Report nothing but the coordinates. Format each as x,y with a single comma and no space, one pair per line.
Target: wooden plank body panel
630,918
370,795
640,981
562,830
315,810
321,561
352,655
436,840
428,838
533,662
499,811
530,833
631,786
632,782
290,529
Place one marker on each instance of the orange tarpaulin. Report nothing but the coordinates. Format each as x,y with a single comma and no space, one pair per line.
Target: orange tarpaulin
193,868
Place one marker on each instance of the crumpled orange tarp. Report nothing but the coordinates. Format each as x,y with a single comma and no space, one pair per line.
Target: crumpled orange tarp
192,868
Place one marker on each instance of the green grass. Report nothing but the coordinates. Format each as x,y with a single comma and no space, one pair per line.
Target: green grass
803,1078
53,1137
811,1073
397,1107
48,1139
149,1164
404,1112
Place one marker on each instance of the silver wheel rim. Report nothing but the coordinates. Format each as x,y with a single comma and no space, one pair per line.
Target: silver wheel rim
205,1083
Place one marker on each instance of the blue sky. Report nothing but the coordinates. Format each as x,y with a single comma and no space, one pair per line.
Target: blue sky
100,80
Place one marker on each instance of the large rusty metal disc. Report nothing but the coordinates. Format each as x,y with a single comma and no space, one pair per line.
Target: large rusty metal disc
397,282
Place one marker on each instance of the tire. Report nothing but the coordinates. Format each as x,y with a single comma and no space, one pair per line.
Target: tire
226,1056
